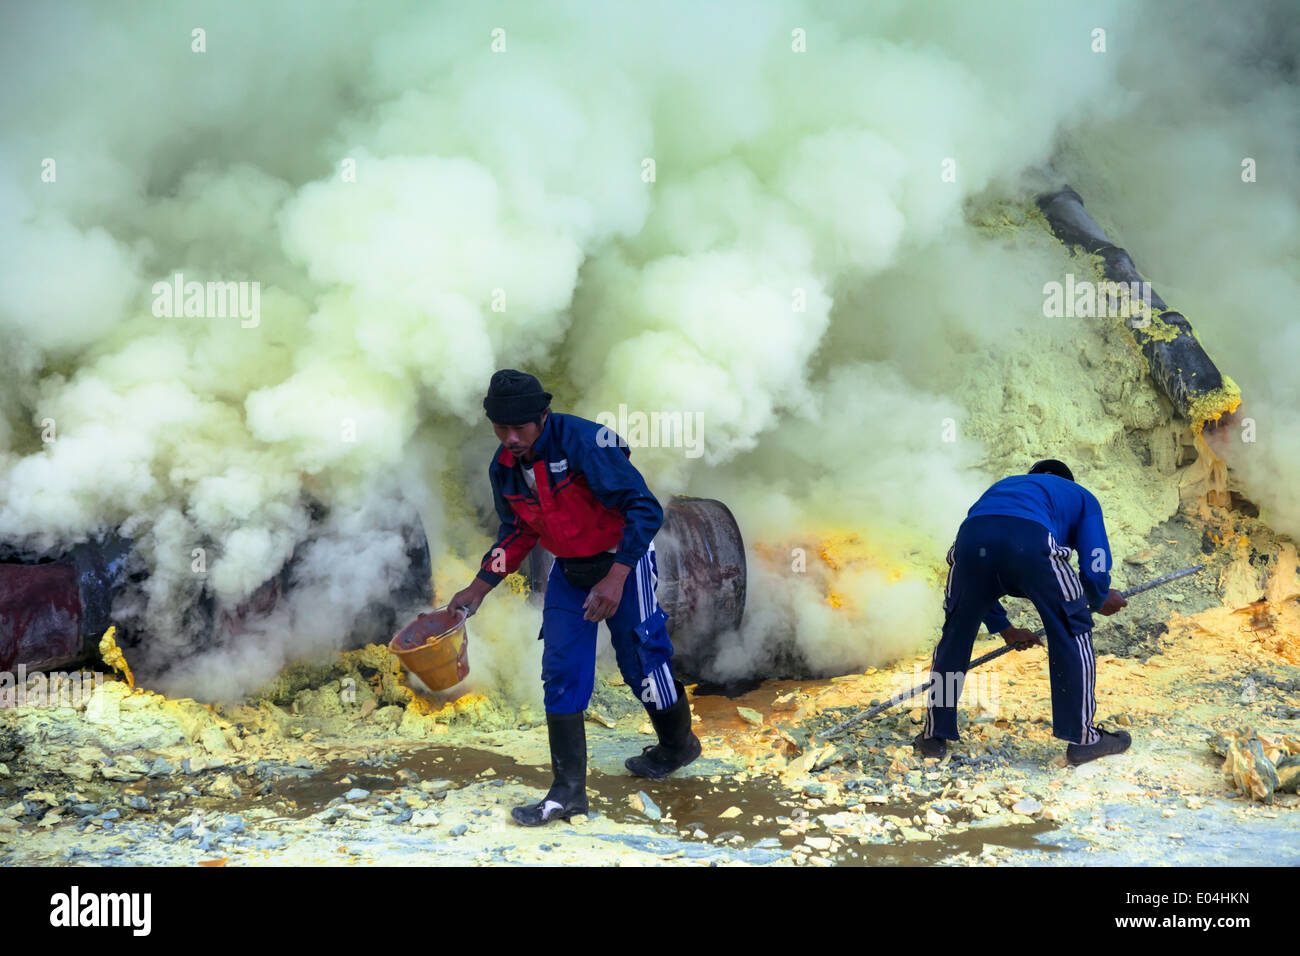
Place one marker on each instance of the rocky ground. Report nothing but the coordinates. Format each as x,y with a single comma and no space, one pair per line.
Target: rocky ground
341,763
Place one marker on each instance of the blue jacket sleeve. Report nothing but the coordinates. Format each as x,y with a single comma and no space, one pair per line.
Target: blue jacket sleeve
1094,552
514,540
996,619
616,483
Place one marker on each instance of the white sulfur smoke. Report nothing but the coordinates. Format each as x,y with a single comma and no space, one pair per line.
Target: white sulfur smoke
757,215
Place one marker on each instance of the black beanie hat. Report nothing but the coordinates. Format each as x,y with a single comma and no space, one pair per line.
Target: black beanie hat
1051,466
514,398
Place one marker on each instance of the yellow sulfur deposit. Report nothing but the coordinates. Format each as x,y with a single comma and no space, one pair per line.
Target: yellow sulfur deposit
1211,406
113,657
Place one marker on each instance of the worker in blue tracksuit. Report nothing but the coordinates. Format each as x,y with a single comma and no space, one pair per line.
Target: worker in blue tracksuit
1017,539
567,484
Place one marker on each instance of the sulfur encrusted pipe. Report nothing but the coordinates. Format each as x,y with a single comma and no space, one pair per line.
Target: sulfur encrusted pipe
1178,362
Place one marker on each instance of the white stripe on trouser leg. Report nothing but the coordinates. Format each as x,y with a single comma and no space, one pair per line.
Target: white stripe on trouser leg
947,584
1072,579
1065,576
1087,706
640,590
662,678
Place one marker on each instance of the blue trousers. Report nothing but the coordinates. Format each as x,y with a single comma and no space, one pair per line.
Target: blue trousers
994,556
638,630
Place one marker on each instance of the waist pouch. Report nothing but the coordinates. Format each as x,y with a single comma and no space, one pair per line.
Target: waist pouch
586,573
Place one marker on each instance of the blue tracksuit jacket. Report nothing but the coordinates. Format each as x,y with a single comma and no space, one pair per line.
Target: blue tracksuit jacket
1066,509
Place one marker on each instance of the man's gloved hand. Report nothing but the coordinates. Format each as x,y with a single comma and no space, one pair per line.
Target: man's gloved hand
1021,639
1114,601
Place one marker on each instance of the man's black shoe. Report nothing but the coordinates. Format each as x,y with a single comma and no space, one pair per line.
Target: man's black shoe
1110,743
930,746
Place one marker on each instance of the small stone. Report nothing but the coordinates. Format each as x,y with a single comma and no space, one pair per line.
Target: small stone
118,775
161,767
1288,774
425,818
138,803
818,843
1027,806
213,740
750,716
459,829
356,793
648,806
1124,720
730,813
224,786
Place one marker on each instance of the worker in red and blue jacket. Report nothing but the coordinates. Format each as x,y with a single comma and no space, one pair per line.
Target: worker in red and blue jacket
1017,539
567,484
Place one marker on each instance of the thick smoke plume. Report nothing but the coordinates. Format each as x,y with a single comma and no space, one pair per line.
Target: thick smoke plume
805,226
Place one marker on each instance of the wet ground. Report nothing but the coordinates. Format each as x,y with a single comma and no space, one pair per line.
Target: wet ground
309,775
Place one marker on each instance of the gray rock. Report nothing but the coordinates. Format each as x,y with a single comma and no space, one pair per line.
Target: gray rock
404,816
85,809
138,803
651,809
161,767
233,823
459,829
356,793
110,814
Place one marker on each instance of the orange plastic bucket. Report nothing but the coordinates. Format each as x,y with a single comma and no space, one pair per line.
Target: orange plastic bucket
435,648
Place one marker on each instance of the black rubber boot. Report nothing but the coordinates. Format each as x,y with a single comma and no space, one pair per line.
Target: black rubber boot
677,745
1110,743
930,746
568,793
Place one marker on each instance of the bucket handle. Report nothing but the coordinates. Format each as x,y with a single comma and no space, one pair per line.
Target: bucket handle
460,610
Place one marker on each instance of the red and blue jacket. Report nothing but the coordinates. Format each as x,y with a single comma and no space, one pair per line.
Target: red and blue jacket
589,499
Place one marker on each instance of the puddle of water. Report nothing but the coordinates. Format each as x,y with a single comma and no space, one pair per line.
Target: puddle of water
691,802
